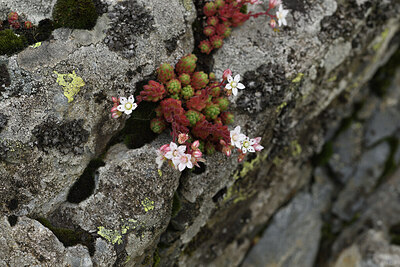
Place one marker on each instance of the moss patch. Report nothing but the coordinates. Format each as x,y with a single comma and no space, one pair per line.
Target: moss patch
11,43
75,14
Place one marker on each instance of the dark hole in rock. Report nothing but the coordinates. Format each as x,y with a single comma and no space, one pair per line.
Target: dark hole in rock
85,185
395,234
219,195
5,80
70,237
200,170
12,204
12,220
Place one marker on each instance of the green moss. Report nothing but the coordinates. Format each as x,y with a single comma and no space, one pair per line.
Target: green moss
11,43
176,205
156,258
323,157
75,14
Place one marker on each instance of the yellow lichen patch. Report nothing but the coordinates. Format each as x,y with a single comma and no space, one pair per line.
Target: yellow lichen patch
71,82
298,78
112,236
332,79
160,172
36,45
295,148
147,204
187,4
383,37
280,107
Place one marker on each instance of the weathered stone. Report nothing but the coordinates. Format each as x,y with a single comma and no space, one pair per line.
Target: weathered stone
369,170
293,235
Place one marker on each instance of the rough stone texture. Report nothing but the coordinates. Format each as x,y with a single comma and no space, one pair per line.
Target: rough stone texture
293,235
300,83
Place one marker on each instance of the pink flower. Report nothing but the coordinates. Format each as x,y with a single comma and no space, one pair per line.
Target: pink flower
226,73
182,138
274,3
237,137
184,162
256,145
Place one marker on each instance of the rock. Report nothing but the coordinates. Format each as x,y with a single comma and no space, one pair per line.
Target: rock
347,149
293,235
352,198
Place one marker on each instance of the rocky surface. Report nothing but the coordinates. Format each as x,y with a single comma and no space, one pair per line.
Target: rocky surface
58,141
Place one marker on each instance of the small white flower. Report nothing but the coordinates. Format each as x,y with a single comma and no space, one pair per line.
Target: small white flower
175,152
281,15
127,105
247,145
184,162
237,137
233,84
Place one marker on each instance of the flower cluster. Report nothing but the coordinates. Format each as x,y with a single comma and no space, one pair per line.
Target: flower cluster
15,21
195,106
123,105
192,102
243,143
187,155
223,15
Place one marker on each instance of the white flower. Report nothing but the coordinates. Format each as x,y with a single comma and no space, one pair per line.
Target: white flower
175,153
247,145
127,105
237,137
281,15
233,84
184,162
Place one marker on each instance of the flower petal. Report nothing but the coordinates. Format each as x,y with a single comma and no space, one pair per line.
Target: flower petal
251,149
252,141
234,91
240,86
230,79
189,165
181,149
121,108
173,146
128,111
123,100
131,99
181,167
134,106
228,86
237,78
284,21
244,150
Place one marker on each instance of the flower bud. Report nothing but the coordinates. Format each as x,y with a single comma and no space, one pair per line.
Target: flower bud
197,153
196,145
116,115
114,109
182,138
28,24
272,23
226,73
114,99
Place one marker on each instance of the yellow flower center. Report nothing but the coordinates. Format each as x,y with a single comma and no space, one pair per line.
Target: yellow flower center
233,84
128,106
246,144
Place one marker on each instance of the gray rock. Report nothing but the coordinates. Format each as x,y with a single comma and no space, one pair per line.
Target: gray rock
352,198
293,235
347,149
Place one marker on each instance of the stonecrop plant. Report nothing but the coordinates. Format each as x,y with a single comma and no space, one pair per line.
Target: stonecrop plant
195,107
223,15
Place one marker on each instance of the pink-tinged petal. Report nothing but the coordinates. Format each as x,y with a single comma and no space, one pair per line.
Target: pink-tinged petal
240,86
189,165
230,79
134,106
251,149
123,100
181,149
169,155
252,141
128,111
237,78
131,99
114,99
176,161
181,167
121,108
228,86
257,139
114,109
234,91
164,147
258,147
173,146
195,144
